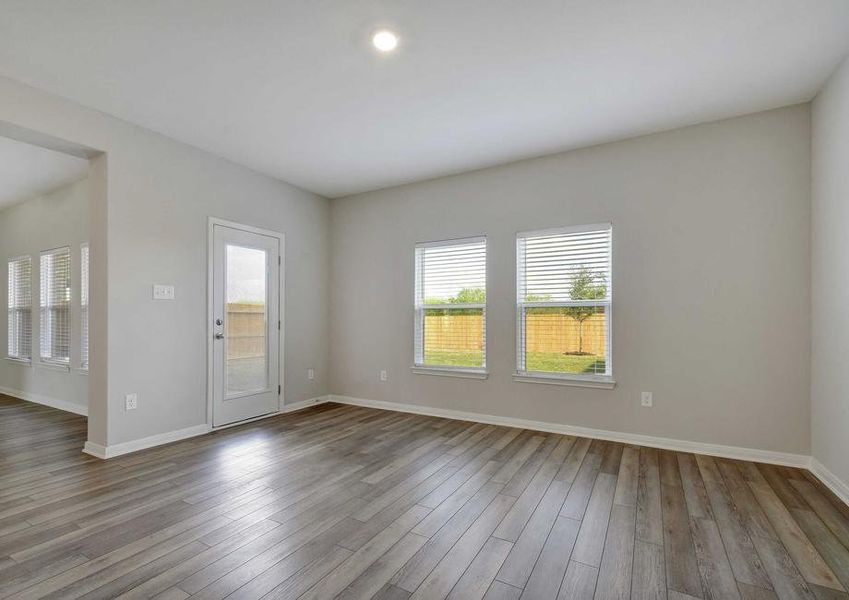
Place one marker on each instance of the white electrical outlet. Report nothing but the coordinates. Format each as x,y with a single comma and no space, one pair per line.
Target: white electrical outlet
131,401
310,373
646,399
163,292
384,376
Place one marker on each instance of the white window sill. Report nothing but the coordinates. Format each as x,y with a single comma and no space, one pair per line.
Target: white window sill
19,361
604,383
82,371
53,366
450,372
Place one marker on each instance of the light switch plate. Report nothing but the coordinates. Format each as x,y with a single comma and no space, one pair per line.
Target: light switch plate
131,402
647,399
163,292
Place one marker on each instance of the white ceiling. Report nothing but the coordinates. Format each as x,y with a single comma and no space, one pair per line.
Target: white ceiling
28,171
294,89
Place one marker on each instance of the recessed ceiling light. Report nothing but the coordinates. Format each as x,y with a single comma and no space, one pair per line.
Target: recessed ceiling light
384,40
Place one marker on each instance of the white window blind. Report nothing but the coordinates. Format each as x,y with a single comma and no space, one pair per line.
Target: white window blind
564,302
55,294
450,304
19,345
84,306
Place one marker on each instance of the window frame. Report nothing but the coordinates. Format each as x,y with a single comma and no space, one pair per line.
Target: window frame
27,361
522,375
419,367
49,361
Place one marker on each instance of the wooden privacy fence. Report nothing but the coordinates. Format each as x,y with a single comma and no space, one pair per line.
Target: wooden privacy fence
455,333
561,333
245,330
554,333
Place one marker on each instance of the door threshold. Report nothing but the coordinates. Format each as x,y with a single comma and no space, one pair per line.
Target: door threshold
245,421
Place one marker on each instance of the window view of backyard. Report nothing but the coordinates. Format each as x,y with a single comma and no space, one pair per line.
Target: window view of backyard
557,339
570,338
451,304
454,336
247,368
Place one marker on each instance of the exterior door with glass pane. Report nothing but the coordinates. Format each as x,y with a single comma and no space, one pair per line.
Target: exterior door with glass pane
246,325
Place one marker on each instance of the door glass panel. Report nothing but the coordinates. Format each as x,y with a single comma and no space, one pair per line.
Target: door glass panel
247,346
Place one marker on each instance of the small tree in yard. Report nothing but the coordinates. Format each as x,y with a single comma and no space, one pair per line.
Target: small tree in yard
470,296
464,296
586,285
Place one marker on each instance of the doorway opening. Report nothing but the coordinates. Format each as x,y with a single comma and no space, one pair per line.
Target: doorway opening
44,275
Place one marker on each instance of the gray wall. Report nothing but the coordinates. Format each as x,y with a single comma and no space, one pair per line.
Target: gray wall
712,261
149,225
59,218
711,282
158,348
830,276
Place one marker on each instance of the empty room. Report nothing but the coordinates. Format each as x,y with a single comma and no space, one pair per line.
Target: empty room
421,300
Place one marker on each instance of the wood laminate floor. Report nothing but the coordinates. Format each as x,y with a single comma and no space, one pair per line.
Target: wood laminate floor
338,501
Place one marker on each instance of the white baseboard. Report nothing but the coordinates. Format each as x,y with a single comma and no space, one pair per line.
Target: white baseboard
830,480
96,450
114,450
287,408
752,454
46,401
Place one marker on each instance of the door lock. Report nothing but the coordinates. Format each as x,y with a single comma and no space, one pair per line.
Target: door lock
219,336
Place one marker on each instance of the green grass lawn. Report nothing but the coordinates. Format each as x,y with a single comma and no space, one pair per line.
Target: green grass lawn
564,363
535,361
454,359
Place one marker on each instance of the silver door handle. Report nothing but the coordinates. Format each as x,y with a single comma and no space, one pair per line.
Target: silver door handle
219,336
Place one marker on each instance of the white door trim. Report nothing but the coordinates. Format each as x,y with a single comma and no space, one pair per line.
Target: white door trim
210,254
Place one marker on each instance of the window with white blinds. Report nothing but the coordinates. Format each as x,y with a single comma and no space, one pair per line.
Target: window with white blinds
19,344
55,295
84,307
564,302
450,304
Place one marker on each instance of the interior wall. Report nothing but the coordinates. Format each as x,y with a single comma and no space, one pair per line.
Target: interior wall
711,291
57,219
830,276
153,229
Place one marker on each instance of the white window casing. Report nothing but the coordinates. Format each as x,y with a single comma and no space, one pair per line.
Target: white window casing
564,291
19,340
450,308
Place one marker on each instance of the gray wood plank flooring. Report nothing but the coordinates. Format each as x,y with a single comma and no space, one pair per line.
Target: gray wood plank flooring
346,502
